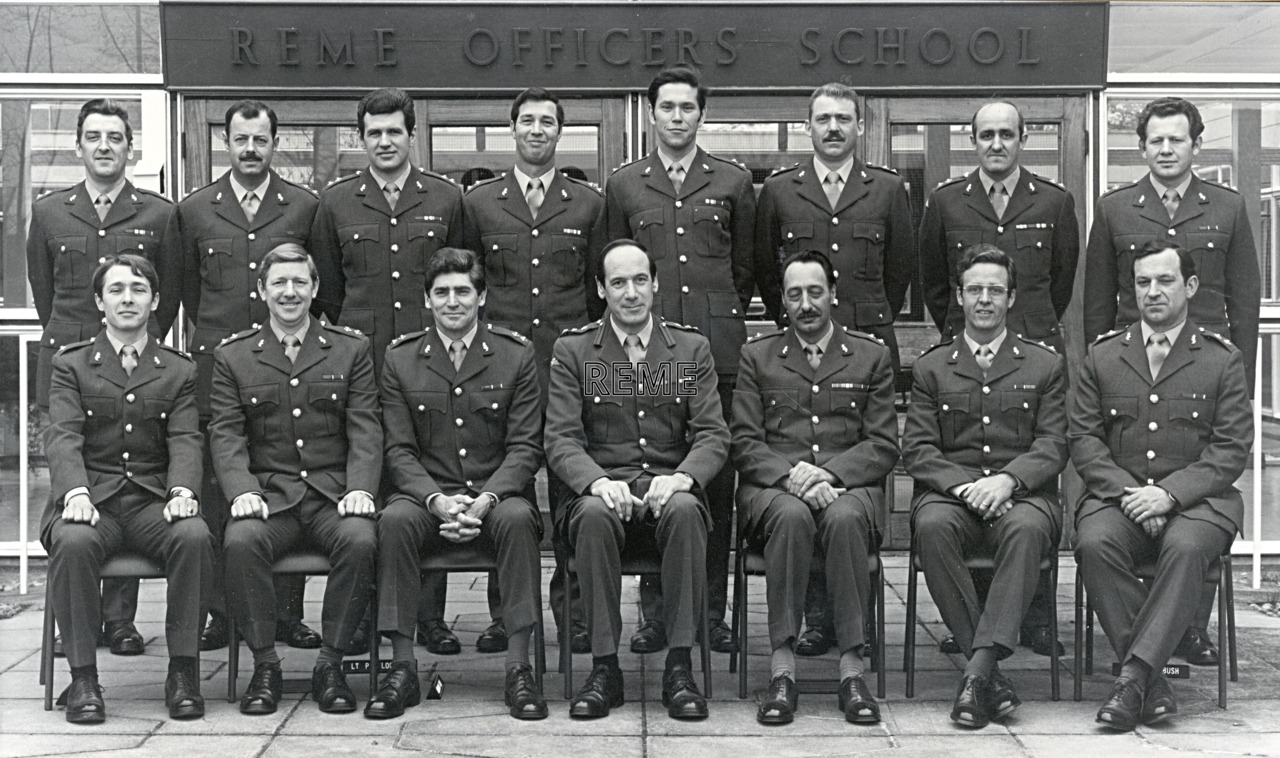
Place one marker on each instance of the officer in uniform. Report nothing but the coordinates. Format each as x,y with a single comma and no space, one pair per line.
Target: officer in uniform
1033,221
985,441
213,249
463,418
1207,219
297,446
124,455
636,463
1160,430
537,231
72,232
814,436
695,214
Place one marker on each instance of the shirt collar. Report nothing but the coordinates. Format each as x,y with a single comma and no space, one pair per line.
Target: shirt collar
1010,182
399,179
644,334
239,190
112,193
993,344
140,345
685,162
1172,334
1181,188
301,333
523,179
822,342
466,338
844,169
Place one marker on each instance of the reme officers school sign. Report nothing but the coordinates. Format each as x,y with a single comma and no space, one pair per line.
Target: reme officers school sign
605,46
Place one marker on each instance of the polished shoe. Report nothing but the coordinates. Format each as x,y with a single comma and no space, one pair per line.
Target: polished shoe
214,634
124,638
1196,649
1004,699
973,702
84,701
580,642
297,634
182,696
437,637
1041,641
949,645
523,695
601,691
264,691
1123,708
680,694
330,690
815,641
854,698
779,706
722,639
650,637
398,690
1158,703
493,639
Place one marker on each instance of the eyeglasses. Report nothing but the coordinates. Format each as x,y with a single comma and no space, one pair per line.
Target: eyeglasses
995,292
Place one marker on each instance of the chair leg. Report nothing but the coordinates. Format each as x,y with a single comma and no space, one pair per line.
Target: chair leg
233,658
881,662
1077,651
375,637
909,650
1088,635
46,653
1223,578
566,636
539,650
1231,616
740,620
706,644
1055,682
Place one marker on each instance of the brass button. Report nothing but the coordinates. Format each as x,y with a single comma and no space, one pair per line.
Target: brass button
457,422
534,233
534,262
299,443
462,453
1154,398
457,390
1153,426
253,266
815,419
297,413
679,230
395,275
815,448
303,474
128,428
679,204
640,414
130,397
816,389
395,248
1151,454
986,390
643,442
293,382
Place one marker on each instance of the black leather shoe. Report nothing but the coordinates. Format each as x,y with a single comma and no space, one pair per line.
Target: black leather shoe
298,634
1123,708
523,695
493,639
124,638
814,641
973,702
580,642
1158,703
264,691
1196,649
84,701
399,689
681,695
437,637
949,645
214,635
855,700
1004,699
779,706
722,640
1040,640
330,690
182,696
601,691
650,637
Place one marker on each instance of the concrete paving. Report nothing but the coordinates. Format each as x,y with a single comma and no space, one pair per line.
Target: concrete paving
470,719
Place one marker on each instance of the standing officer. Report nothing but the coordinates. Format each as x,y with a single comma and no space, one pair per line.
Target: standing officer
695,214
1160,431
537,231
1034,221
985,441
463,419
124,454
635,431
213,248
72,232
1208,220
297,446
813,467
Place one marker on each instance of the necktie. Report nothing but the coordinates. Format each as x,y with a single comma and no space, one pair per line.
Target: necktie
129,358
457,350
534,197
984,357
103,206
831,185
999,198
392,193
1171,201
814,355
250,205
676,172
1157,351
291,345
635,353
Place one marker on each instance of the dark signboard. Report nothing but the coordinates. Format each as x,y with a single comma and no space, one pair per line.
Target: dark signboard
611,46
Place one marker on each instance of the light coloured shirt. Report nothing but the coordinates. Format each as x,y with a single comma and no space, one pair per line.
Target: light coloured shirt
644,334
523,180
821,170
685,162
1010,182
1160,188
112,194
1172,333
399,179
117,345
466,338
822,341
239,190
993,344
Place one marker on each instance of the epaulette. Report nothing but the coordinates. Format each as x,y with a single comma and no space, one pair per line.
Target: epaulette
1109,335
885,169
629,163
951,181
484,182
239,336
681,327
342,179
302,187
1217,338
1220,185
584,328
176,351
513,334
348,331
785,169
152,193
774,332
74,345
584,183
409,336
442,177
864,335
54,193
1117,189
943,343
1048,181
730,161
1037,343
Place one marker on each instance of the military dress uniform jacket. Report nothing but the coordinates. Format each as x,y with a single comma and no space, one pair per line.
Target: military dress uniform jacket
961,426
868,237
1038,231
108,428
701,240
599,424
839,417
475,429
1211,224
66,243
212,253
372,260
1188,432
280,429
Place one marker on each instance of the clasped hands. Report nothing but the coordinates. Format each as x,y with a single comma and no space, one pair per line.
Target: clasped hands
617,495
1147,506
461,515
990,497
813,484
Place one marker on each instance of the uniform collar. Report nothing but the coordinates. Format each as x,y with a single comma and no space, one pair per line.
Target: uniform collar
523,179
1010,182
1172,334
466,338
239,190
820,169
822,341
993,344
644,334
1181,188
685,162
141,344
111,194
399,179
301,334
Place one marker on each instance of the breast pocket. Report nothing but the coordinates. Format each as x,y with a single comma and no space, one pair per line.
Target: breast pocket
669,412
1191,420
607,421
489,414
1209,250
428,410
1126,247
847,406
216,255
425,238
953,416
782,408
155,413
71,265
261,404
1034,253
328,401
868,245
138,244
501,259
1119,415
1019,412
711,224
568,260
797,236
647,226
361,251
100,412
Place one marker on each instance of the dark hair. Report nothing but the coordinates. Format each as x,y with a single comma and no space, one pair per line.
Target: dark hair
811,256
537,95
839,92
104,106
1170,106
973,122
609,248
985,252
454,260
1186,263
248,109
383,101
677,75
288,252
137,264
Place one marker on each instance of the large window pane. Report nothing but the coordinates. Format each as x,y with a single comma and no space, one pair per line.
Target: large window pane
311,156
80,39
14,436
469,154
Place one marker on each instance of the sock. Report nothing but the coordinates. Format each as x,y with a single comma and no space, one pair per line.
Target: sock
329,654
518,647
265,656
402,649
784,660
982,663
183,664
678,656
89,671
605,660
851,663
1136,668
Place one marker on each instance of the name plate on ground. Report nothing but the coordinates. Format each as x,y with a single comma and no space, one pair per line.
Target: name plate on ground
1170,671
433,689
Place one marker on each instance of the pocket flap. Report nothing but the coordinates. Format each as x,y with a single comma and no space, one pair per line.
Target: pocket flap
259,395
101,407
953,402
649,217
215,246
724,304
1189,409
795,230
1119,405
326,392
710,213
357,232
868,231
1020,401
422,402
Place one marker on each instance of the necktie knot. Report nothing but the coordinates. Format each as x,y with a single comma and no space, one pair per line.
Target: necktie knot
814,354
291,345
129,358
831,186
250,205
635,352
103,206
457,349
534,196
999,198
1171,201
676,172
393,194
984,356
1157,351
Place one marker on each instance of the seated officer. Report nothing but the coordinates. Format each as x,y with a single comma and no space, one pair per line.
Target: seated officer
814,436
634,430
463,416
985,441
124,458
1160,432
297,446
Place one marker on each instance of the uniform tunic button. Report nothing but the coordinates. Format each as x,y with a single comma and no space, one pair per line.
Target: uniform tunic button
103,259
597,400
684,259
537,322
421,408
535,291
1153,426
815,419
534,233
644,466
253,400
128,428
1154,398
986,419
1195,414
679,204
1173,232
130,397
816,389
458,421
299,443
1151,454
468,482
462,453
946,407
685,289
1113,411
986,390
395,275
102,233
679,230
293,382
986,448
393,222
253,266
397,305
835,220
251,236
457,390
395,248
297,413
643,442
640,414
1151,481
129,474
815,448
88,413
986,472
534,262
835,248
253,296
1000,229
302,474
125,456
